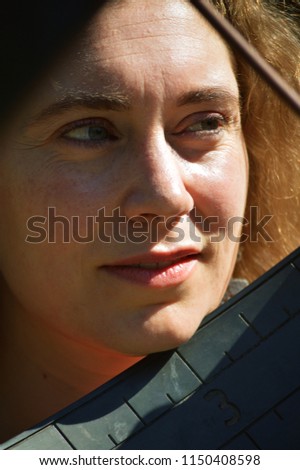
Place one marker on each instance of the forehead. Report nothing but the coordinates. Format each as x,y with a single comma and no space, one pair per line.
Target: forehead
136,27
135,45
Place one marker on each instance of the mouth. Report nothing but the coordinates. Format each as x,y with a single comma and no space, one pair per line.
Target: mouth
153,265
156,270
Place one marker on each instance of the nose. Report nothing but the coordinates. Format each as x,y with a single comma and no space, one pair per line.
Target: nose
157,180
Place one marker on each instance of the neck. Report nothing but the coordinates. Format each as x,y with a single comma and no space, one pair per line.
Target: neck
45,371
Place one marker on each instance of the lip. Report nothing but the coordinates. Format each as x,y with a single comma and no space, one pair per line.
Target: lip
182,264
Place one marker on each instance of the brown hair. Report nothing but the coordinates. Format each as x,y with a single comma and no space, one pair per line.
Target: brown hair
272,134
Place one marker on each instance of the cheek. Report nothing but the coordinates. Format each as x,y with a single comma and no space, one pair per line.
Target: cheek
220,185
72,194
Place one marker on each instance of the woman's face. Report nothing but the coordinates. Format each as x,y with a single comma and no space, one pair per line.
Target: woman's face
111,169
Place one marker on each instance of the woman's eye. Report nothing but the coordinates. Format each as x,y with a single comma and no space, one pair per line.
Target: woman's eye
211,124
89,134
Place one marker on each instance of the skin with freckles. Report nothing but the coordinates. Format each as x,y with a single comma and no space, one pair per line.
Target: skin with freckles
141,115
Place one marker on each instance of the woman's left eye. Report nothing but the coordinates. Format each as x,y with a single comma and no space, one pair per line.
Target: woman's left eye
207,125
203,125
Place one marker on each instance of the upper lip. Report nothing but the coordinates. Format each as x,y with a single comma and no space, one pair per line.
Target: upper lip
157,257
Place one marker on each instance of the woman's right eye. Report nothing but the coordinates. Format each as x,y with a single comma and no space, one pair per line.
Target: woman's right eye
89,133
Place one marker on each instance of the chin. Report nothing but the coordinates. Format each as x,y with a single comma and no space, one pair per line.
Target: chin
168,332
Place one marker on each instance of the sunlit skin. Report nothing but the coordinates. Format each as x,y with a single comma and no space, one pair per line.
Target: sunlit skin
142,115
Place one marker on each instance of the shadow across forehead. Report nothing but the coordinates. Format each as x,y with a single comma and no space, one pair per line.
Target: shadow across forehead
147,32
97,74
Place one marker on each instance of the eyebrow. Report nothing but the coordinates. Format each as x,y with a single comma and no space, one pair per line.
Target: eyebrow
218,95
116,101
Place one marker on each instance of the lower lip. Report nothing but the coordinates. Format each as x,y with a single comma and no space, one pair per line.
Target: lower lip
168,276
